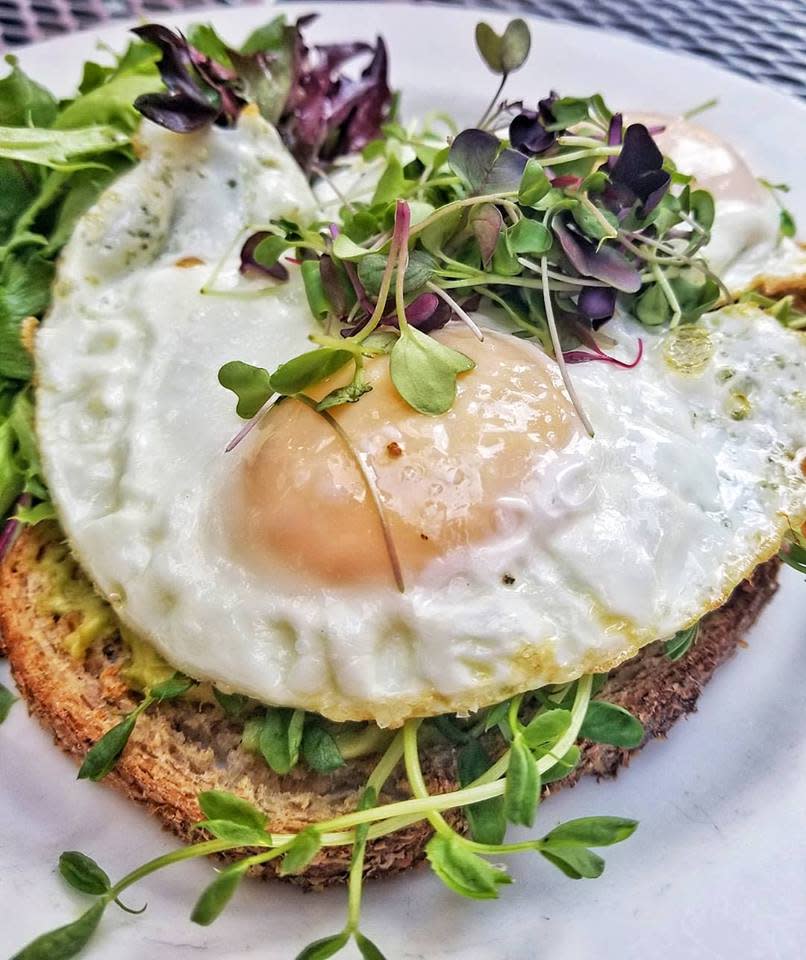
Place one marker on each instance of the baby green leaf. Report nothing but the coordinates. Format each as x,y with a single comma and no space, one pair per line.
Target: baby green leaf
563,767
324,948
591,832
83,873
544,729
419,270
367,948
609,723
217,895
786,223
515,44
235,705
308,368
652,307
220,805
529,236
314,289
575,862
251,385
424,371
103,756
522,790
390,184
487,820
534,183
349,394
680,644
171,688
269,250
274,740
464,872
67,941
702,208
319,750
489,46
7,700
346,249
303,849
236,833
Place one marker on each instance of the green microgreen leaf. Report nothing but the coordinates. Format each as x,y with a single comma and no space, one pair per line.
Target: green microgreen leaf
103,756
7,700
487,820
217,895
786,223
269,250
221,805
680,644
307,369
529,236
235,833
319,750
279,740
314,289
419,270
463,871
303,849
66,941
575,862
346,249
591,832
234,705
515,44
476,156
702,208
489,46
424,371
652,307
544,729
568,111
251,385
324,948
367,948
534,184
391,183
173,687
522,792
83,873
352,393
563,766
609,723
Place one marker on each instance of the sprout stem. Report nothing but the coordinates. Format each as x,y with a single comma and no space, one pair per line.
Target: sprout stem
462,314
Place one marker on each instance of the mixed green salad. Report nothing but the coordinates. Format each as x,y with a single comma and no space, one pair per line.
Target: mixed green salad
555,215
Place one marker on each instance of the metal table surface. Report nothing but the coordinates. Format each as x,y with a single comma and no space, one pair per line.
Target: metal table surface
763,39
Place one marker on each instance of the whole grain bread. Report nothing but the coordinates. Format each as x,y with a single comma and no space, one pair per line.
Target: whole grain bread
180,748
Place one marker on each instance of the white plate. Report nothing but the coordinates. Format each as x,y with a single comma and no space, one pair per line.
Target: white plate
716,869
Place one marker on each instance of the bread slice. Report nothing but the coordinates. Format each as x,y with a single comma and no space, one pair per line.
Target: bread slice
180,748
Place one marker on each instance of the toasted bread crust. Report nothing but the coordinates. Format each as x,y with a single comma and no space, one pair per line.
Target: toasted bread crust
181,748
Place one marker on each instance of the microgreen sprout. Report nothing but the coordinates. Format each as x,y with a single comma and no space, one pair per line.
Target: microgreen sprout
541,731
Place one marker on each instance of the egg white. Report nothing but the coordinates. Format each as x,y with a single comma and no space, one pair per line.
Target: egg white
626,537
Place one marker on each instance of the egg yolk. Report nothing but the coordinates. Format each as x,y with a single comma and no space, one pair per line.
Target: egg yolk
443,482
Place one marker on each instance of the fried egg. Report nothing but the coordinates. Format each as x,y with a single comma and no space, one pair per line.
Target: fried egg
530,552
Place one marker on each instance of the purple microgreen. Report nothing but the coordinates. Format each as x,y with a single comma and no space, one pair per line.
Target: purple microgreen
597,304
639,168
582,356
615,131
260,253
476,156
486,223
528,135
360,292
338,286
605,263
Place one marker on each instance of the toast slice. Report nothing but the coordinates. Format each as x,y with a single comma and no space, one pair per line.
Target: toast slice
182,747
